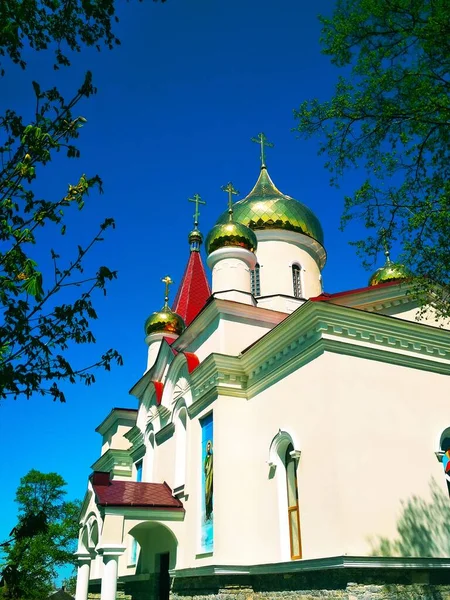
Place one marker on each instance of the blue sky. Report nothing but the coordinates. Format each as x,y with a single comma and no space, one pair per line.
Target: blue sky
176,107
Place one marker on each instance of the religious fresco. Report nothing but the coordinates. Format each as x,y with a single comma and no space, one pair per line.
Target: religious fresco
207,508
446,465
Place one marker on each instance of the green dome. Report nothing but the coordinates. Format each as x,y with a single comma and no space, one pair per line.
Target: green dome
230,233
391,271
164,321
268,208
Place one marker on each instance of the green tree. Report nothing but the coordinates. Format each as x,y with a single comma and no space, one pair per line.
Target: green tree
390,117
44,538
44,311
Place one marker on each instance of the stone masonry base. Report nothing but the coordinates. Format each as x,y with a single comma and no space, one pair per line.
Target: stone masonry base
339,584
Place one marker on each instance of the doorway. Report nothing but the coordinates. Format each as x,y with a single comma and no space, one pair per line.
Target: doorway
164,577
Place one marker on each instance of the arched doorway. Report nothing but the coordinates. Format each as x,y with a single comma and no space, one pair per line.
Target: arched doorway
157,555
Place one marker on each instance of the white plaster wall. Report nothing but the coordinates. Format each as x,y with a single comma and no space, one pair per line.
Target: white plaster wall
367,432
114,438
276,259
228,336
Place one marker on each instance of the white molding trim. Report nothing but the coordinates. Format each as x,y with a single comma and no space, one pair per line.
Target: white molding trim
317,564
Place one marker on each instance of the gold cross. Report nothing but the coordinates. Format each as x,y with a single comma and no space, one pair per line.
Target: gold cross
197,199
231,192
168,281
262,141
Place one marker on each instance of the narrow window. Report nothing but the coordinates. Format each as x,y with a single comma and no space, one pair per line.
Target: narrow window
255,281
292,498
296,283
139,471
134,549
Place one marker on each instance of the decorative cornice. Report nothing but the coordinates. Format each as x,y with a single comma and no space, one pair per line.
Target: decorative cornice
135,436
117,462
165,433
227,309
117,414
310,331
317,564
154,514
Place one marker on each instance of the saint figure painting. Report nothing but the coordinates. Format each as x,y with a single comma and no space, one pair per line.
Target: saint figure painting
207,495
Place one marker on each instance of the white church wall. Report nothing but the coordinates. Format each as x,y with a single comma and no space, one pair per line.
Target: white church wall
386,411
276,258
247,490
356,427
231,336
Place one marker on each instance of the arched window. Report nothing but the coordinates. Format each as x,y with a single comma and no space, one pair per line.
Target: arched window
180,447
255,281
296,282
138,467
283,464
292,500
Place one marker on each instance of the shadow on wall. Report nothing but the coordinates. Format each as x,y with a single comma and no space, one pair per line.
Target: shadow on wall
423,528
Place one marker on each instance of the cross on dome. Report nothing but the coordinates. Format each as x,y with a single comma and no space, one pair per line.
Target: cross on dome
262,141
231,192
168,281
197,200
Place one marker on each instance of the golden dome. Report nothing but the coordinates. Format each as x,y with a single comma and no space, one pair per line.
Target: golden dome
391,271
164,320
195,236
230,233
268,208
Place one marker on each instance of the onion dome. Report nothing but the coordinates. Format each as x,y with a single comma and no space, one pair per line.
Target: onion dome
165,320
267,208
195,238
232,234
391,271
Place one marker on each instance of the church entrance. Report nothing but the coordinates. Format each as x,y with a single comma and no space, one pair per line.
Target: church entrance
156,555
164,577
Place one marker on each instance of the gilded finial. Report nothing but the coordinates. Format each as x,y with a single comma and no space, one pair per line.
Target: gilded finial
197,200
231,192
262,141
168,281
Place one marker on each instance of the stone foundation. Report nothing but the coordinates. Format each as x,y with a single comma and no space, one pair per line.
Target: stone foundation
325,585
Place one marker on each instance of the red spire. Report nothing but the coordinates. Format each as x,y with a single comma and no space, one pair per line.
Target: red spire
194,289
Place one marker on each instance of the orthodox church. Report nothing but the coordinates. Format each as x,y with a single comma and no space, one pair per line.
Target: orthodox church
287,442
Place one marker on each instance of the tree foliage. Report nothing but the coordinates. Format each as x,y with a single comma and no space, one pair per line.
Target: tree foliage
42,311
44,538
62,26
390,117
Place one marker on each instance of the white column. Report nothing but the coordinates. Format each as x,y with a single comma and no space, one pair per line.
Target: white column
231,273
84,567
110,563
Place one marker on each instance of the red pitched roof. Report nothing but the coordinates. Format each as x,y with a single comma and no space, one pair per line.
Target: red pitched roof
133,493
194,289
325,297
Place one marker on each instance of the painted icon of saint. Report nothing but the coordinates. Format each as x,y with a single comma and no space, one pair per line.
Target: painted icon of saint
208,469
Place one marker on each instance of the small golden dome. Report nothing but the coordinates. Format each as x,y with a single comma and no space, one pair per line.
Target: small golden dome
231,234
164,320
391,271
195,236
267,208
